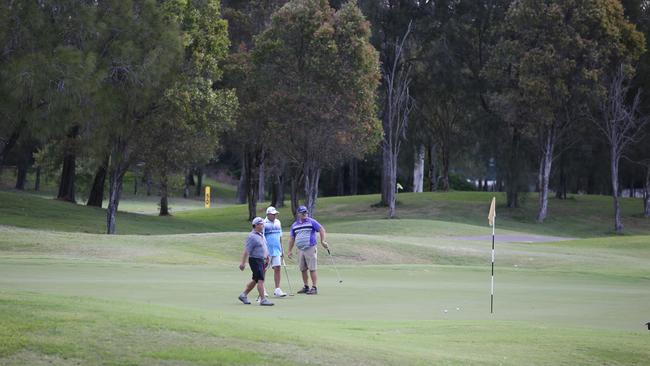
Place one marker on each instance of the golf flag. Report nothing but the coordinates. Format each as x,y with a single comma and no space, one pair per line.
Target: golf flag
491,216
493,211
207,197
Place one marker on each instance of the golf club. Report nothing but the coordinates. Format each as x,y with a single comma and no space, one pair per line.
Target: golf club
286,273
334,264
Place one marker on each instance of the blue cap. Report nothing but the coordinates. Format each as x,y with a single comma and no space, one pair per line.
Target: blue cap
302,209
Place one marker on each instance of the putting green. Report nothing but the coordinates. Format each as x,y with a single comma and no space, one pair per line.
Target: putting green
74,298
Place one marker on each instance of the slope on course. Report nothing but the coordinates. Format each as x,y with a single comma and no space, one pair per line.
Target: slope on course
80,298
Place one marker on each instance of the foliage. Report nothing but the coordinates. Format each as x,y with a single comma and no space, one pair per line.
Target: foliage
193,113
318,75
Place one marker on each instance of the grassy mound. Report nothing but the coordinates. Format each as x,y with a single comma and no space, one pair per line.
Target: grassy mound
579,216
415,290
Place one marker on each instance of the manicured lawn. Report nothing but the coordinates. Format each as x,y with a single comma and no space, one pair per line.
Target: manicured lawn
169,297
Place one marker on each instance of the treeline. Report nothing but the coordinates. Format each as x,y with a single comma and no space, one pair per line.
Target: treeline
310,96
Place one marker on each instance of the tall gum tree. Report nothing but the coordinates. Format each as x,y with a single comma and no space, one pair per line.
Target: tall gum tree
139,49
193,113
319,75
553,57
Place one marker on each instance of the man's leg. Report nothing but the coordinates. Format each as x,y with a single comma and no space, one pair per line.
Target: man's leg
305,279
276,276
260,288
249,287
314,278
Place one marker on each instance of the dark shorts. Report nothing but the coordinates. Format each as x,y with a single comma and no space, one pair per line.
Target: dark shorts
257,266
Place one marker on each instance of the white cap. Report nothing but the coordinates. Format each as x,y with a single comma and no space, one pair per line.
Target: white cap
257,220
271,210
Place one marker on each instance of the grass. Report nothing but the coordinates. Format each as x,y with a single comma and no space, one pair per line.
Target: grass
169,297
579,216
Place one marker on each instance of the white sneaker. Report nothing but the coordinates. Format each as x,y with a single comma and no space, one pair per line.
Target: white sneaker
265,295
279,293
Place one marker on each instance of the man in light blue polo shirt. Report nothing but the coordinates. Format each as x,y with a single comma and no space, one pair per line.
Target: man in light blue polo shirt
273,235
303,235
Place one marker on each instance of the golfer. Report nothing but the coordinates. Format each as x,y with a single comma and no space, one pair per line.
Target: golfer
258,256
303,235
273,235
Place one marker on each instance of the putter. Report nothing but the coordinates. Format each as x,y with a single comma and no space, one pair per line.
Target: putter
286,273
334,264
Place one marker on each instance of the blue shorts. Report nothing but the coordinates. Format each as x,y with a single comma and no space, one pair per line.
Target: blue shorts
257,266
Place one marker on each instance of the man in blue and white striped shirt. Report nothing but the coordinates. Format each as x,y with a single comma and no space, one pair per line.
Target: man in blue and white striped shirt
303,235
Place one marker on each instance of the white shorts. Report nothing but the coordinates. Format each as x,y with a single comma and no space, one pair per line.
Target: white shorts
276,261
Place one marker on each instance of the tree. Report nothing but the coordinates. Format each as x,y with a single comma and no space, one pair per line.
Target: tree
554,54
140,47
397,108
620,124
192,114
247,19
26,39
319,75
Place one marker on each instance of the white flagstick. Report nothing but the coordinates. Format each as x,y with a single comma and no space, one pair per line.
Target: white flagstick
492,282
491,219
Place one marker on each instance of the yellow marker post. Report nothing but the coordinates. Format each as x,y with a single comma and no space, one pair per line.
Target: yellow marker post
207,196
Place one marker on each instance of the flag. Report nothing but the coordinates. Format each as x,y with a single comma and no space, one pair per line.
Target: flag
493,212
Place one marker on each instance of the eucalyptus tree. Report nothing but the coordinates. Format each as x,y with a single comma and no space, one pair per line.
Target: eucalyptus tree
550,60
140,48
247,19
398,104
192,114
26,38
319,75
621,124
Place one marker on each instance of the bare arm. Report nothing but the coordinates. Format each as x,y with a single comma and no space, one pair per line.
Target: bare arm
244,256
292,240
322,233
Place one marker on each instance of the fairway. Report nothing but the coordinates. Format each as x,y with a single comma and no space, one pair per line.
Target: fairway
414,291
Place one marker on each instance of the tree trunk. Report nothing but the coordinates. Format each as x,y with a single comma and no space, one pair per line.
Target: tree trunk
277,192
353,177
514,172
418,169
392,198
242,191
280,189
295,183
115,179
618,225
387,186
164,204
66,185
545,165
37,180
190,177
96,196
189,180
21,173
199,181
11,142
433,177
646,193
148,182
311,173
261,183
340,180
278,179
252,184
135,184
445,167
631,192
